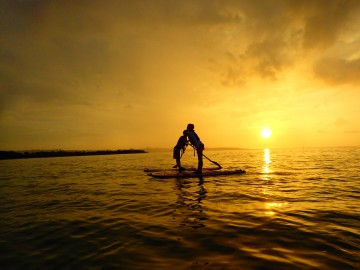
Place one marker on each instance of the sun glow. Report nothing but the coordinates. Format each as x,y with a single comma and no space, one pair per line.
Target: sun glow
266,133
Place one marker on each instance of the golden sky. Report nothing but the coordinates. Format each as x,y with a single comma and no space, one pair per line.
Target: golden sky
132,74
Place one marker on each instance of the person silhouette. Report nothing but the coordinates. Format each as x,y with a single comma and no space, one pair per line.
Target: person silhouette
198,145
180,147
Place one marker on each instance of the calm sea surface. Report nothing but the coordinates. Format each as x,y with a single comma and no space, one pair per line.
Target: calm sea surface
293,209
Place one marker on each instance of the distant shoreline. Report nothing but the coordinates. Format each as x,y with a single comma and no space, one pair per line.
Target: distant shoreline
63,153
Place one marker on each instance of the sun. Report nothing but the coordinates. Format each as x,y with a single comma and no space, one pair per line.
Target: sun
266,133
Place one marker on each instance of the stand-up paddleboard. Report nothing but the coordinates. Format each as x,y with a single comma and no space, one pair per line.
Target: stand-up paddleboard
164,175
177,170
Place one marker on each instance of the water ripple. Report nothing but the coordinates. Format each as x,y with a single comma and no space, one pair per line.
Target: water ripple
296,212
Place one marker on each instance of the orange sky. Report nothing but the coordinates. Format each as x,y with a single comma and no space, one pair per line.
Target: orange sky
132,74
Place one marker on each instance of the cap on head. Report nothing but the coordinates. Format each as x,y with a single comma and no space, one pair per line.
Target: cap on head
190,126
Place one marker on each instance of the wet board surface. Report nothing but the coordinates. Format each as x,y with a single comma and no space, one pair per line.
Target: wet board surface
185,174
175,170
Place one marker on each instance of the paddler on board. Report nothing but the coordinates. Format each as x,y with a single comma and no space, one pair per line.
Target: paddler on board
179,149
198,145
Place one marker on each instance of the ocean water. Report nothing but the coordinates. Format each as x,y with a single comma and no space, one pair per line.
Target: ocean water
293,209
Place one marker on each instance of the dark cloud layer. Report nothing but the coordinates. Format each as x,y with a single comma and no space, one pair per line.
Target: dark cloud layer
72,41
283,33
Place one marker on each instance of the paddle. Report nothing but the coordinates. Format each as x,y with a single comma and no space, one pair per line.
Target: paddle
217,164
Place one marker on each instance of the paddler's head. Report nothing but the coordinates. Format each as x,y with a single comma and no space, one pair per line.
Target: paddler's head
190,127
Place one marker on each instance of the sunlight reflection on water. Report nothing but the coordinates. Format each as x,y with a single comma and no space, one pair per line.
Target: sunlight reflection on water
267,161
271,207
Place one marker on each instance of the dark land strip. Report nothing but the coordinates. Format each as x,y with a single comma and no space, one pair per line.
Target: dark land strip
63,153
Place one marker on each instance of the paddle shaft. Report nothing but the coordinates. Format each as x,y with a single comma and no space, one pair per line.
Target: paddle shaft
217,164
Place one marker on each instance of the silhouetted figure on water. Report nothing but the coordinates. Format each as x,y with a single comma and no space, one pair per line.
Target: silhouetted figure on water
179,149
198,145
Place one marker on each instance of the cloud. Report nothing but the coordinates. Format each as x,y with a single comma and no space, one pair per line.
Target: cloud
271,37
340,122
74,42
336,71
352,131
326,20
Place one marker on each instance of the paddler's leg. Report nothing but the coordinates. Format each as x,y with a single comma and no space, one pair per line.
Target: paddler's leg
178,163
177,157
200,158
